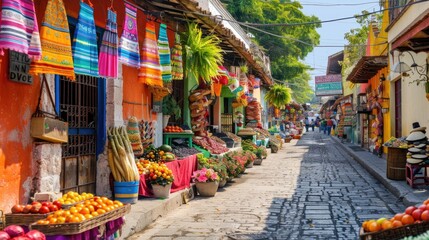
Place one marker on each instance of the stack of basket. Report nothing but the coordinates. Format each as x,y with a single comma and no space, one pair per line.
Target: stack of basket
417,144
147,133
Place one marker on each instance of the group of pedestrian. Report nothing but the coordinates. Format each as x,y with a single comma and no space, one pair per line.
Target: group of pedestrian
325,125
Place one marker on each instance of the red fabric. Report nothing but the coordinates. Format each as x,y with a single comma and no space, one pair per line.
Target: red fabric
182,172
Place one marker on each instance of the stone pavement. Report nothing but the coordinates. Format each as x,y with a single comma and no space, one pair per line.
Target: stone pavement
377,167
311,189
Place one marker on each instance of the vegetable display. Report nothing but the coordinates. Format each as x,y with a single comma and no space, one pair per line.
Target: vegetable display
210,145
121,156
253,111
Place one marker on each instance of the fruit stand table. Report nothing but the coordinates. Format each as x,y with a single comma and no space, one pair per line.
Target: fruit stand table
169,136
182,172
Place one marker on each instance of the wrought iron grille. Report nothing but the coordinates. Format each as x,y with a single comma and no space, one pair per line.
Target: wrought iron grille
78,106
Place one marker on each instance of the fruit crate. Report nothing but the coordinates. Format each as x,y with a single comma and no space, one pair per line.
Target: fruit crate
396,233
23,219
76,228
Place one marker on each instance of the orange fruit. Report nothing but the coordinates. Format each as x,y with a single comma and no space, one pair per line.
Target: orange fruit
407,219
397,223
61,220
88,216
73,210
101,211
95,214
386,225
399,216
109,203
53,220
81,217
42,222
374,227
75,219
365,226
90,208
84,211
79,205
426,202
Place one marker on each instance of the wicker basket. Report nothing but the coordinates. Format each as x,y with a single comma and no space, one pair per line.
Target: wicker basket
396,233
75,228
23,219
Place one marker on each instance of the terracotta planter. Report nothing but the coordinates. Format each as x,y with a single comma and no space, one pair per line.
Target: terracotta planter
250,165
222,183
207,189
258,161
160,191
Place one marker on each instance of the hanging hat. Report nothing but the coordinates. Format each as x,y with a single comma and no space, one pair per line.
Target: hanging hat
417,128
415,136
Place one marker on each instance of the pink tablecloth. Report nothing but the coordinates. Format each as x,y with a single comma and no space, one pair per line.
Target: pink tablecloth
182,172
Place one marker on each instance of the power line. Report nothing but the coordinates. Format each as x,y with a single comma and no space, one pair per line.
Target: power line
336,4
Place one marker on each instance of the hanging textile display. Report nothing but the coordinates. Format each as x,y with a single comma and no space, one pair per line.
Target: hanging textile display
85,52
150,71
18,28
164,54
176,59
108,60
56,45
129,44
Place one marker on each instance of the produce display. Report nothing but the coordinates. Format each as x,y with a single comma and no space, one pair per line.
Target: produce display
198,104
159,174
147,132
134,136
74,197
210,145
396,142
182,150
220,141
246,132
121,156
163,153
16,232
36,208
253,111
173,129
234,137
412,215
82,211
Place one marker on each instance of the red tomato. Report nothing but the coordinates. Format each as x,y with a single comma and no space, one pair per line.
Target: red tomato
425,215
44,210
17,208
53,208
58,204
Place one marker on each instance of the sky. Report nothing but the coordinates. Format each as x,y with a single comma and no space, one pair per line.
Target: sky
332,33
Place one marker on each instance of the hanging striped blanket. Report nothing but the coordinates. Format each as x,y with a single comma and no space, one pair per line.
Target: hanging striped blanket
56,45
108,60
164,54
129,44
85,52
18,28
150,71
176,61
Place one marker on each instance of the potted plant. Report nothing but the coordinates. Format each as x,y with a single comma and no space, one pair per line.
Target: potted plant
206,181
161,178
278,96
170,107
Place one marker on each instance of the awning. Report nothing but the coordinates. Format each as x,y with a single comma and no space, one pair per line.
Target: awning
339,100
366,68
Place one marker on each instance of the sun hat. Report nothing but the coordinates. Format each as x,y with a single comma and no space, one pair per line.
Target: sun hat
417,128
414,161
416,150
415,136
421,146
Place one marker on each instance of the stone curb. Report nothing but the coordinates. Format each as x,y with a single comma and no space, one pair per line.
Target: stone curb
405,195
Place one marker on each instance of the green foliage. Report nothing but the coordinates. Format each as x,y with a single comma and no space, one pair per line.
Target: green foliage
170,107
278,96
203,54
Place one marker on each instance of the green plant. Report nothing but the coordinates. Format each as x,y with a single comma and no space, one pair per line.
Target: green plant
203,54
278,96
170,107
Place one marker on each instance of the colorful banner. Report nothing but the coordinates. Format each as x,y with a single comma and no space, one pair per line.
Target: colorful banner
329,85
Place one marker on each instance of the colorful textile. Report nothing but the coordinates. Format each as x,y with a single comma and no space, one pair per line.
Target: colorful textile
56,45
108,60
150,71
176,61
164,54
129,44
85,51
18,28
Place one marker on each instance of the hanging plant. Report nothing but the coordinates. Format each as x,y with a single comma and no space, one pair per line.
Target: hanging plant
203,54
278,96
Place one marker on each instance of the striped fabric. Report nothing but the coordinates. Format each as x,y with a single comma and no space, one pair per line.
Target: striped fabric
85,52
108,60
56,45
164,54
18,28
176,61
129,45
150,71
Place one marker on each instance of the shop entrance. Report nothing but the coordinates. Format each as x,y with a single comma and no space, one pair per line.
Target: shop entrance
79,107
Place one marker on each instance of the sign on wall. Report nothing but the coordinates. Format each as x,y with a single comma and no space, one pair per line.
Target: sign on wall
329,85
19,66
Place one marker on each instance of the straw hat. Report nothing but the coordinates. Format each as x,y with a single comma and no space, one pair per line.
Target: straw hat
414,161
415,136
416,150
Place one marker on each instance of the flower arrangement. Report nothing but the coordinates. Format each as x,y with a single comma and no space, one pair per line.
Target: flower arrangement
159,174
218,166
205,175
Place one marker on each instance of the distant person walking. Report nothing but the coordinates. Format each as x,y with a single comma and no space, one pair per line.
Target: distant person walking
312,123
307,124
335,123
323,126
329,125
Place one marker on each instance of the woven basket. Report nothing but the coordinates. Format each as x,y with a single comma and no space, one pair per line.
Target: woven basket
23,219
396,233
75,228
159,92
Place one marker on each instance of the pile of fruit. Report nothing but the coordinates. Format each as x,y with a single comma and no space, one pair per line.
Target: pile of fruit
37,208
184,151
210,145
159,174
82,211
173,129
74,197
161,154
411,215
15,232
143,166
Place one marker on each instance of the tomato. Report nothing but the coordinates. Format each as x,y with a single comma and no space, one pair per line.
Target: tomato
44,210
53,208
17,208
47,204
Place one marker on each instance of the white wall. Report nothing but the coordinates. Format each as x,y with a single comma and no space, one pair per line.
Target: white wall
411,16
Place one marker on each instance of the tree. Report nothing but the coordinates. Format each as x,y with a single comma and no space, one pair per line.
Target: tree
296,41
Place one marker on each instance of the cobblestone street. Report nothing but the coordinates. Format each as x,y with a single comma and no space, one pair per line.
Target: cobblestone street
311,189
